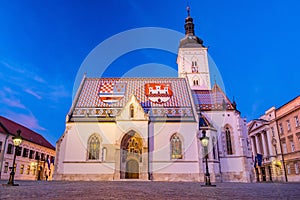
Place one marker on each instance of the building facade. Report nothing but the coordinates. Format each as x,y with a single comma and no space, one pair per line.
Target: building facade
275,141
34,158
287,117
149,128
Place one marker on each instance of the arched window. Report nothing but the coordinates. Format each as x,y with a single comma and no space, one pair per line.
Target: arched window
93,147
194,67
228,141
196,82
214,148
176,147
10,149
131,111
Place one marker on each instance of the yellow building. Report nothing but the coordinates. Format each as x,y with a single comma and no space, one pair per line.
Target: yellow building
34,157
287,117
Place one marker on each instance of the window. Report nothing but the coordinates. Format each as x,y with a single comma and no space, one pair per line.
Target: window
42,157
28,170
131,111
33,170
272,130
176,147
288,125
296,168
194,67
6,167
280,128
0,146
297,121
228,141
25,152
22,169
195,82
292,145
52,158
9,149
93,147
19,151
37,156
284,147
31,153
288,169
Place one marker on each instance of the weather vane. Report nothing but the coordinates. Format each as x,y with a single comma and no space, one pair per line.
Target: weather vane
188,7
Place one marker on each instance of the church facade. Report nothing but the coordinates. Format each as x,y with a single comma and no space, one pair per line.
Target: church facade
150,128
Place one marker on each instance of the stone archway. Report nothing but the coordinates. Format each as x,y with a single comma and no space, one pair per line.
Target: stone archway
131,156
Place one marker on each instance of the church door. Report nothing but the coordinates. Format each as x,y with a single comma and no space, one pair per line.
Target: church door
131,156
132,169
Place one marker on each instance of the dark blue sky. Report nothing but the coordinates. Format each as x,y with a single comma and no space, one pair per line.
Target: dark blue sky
255,45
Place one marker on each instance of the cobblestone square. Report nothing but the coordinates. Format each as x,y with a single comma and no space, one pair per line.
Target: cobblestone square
147,190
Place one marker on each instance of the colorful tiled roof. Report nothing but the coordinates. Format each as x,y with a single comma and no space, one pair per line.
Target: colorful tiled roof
214,99
26,133
172,103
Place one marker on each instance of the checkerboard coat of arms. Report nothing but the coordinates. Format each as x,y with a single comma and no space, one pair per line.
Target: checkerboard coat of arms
112,92
158,92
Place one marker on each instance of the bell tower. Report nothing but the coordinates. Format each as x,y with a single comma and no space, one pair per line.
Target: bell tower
192,58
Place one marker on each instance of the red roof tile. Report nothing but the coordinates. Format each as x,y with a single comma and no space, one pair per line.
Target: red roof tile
177,105
214,99
26,133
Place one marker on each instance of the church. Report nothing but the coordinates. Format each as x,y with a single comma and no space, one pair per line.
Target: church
150,128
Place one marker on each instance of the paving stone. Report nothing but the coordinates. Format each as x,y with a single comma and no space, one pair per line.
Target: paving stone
146,190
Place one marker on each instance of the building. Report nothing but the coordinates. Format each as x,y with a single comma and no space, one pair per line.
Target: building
287,118
35,157
275,141
149,128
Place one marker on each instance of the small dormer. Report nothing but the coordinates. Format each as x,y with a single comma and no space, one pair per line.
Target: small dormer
132,111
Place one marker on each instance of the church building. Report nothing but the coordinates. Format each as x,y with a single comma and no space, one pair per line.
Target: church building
150,128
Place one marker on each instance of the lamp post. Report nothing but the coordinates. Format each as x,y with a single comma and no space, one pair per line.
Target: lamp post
17,141
204,141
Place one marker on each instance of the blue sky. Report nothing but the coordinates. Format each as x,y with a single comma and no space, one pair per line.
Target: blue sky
255,45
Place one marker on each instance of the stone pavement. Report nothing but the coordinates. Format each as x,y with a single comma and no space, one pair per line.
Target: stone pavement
146,190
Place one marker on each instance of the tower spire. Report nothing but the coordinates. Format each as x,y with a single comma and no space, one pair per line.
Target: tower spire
188,9
189,25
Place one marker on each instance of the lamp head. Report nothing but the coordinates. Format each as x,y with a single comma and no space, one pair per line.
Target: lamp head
204,140
17,139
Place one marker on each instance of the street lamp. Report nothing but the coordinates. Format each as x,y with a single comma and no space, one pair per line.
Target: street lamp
17,141
204,141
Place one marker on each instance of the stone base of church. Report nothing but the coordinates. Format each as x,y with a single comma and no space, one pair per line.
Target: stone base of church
226,177
176,177
83,177
234,177
95,177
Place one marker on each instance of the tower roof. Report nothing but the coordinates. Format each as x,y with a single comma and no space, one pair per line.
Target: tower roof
190,39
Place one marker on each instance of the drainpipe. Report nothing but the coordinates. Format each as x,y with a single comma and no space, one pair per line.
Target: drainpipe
282,157
5,142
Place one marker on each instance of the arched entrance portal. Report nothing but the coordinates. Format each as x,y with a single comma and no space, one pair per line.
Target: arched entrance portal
131,156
